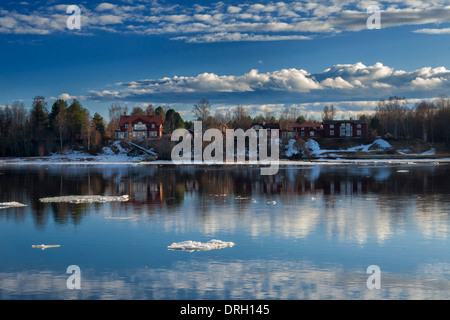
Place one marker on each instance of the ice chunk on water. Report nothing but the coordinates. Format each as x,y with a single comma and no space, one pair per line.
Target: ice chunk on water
5,205
195,245
43,246
85,199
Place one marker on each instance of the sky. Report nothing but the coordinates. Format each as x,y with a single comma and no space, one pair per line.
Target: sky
264,55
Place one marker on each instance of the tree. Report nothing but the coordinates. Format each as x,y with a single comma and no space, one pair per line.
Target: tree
150,111
78,119
115,112
329,113
39,124
425,115
160,112
391,114
99,124
202,110
57,117
137,111
173,120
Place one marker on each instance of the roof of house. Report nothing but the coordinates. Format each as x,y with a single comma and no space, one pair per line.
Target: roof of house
156,119
346,121
267,125
305,125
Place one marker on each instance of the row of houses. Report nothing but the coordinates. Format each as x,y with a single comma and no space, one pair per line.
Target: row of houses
144,127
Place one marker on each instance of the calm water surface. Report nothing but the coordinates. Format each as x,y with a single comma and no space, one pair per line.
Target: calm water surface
309,232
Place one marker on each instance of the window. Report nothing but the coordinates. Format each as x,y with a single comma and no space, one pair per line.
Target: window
126,125
311,133
358,132
303,134
140,126
303,129
331,126
358,126
153,125
331,132
153,133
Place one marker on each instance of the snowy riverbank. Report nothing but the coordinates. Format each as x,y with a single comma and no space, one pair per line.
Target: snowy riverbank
307,153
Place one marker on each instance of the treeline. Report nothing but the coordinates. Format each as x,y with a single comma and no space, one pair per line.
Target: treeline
426,120
41,132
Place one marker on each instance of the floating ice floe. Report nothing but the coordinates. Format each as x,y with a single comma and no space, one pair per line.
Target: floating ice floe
195,245
43,246
5,205
119,218
85,199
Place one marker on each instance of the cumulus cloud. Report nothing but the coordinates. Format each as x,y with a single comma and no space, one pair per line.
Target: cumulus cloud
66,96
217,22
341,82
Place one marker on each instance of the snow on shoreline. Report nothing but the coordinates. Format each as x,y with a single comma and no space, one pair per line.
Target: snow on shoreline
377,145
195,245
323,156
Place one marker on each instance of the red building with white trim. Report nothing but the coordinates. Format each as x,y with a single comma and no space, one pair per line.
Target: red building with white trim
139,127
344,128
307,129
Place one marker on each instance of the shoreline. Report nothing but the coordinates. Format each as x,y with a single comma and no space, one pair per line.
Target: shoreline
94,161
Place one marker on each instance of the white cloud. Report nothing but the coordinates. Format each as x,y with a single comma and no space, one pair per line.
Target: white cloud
429,83
341,82
336,83
298,20
66,96
434,31
105,6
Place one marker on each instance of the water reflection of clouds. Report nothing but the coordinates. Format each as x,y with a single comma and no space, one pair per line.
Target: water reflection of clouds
354,203
249,279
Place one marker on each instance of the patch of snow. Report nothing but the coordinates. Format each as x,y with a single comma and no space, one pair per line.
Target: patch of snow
291,150
383,144
429,152
85,199
314,148
195,245
6,205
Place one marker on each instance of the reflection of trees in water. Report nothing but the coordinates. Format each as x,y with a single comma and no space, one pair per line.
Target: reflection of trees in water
168,186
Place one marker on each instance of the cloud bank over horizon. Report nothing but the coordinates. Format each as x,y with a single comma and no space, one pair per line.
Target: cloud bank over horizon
341,82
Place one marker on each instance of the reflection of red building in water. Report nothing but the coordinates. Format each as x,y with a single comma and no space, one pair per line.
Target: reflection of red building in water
143,191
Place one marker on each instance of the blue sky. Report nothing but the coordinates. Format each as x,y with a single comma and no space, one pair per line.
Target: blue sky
262,55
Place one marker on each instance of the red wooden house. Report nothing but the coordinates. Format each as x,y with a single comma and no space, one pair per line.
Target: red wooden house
344,128
139,127
307,129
